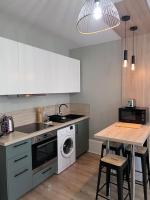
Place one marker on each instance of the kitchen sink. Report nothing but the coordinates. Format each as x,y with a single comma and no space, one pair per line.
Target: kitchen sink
64,118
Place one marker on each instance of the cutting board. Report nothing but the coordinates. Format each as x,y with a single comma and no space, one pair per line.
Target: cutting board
128,125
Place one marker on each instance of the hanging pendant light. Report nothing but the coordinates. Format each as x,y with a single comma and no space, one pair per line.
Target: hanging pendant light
97,16
125,59
133,59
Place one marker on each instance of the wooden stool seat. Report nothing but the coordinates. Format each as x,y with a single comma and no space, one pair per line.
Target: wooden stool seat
114,160
113,145
138,149
120,165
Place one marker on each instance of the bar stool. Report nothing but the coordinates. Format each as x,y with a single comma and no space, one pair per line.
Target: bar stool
141,152
113,146
120,164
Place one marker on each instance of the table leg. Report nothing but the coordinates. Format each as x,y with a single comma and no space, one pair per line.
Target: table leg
148,146
133,174
107,147
107,152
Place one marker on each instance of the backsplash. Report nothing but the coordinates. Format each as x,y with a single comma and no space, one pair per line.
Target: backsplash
27,116
13,103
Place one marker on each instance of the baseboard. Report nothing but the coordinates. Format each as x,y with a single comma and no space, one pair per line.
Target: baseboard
95,146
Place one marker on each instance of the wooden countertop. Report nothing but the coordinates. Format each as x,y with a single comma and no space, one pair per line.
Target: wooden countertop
19,136
125,133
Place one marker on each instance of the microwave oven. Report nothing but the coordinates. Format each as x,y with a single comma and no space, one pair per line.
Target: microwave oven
137,115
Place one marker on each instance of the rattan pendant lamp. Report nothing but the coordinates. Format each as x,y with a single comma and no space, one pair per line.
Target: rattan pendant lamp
97,16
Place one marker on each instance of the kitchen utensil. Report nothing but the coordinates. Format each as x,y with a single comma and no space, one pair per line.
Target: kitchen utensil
131,103
6,124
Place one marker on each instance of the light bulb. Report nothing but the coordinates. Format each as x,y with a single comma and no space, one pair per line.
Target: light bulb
133,63
132,67
125,63
97,13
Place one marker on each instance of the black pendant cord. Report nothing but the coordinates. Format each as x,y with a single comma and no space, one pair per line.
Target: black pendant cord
133,58
133,44
125,19
125,35
133,29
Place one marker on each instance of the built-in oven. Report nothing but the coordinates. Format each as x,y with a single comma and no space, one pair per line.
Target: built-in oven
44,150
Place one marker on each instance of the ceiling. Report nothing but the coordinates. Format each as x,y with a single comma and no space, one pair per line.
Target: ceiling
59,17
56,16
140,15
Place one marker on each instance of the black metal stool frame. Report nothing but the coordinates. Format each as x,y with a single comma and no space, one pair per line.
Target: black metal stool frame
120,180
144,162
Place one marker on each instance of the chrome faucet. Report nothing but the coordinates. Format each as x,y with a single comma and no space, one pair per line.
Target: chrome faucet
59,111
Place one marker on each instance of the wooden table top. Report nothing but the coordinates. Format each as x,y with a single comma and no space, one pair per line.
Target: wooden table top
125,133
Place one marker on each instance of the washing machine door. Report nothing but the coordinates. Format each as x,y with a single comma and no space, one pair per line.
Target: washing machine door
67,147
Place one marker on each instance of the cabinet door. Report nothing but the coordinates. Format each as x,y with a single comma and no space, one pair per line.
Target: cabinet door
45,70
27,69
37,69
42,71
19,169
68,75
82,137
19,182
9,67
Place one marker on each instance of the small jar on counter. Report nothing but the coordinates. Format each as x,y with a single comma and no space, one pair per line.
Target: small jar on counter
39,114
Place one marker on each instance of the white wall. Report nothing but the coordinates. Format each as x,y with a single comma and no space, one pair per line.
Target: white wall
100,82
20,31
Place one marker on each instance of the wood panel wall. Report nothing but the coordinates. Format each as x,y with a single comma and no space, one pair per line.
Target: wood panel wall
140,16
136,84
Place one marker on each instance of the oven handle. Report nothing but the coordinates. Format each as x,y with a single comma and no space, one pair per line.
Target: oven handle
39,146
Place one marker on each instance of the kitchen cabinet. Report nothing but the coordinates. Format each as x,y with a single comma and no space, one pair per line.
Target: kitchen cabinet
47,72
16,170
68,75
82,137
9,76
29,70
37,70
43,174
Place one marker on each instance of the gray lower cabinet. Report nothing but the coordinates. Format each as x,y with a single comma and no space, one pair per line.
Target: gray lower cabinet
16,175
15,170
43,174
82,137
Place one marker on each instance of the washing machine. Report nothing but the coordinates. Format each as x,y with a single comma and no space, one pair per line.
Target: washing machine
66,147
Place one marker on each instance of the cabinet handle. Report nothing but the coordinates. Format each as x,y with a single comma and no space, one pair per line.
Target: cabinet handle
21,173
20,158
47,170
18,145
46,143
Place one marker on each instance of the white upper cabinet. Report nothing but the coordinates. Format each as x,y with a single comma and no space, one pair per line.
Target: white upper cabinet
45,70
35,67
68,75
26,66
29,70
9,75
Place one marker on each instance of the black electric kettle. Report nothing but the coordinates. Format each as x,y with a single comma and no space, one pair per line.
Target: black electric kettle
6,124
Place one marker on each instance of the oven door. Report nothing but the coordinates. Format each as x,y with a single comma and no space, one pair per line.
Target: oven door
43,152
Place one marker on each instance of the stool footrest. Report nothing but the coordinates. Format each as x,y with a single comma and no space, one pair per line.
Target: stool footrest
103,196
108,198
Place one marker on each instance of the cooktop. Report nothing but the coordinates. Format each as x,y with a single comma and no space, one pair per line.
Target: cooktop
31,128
